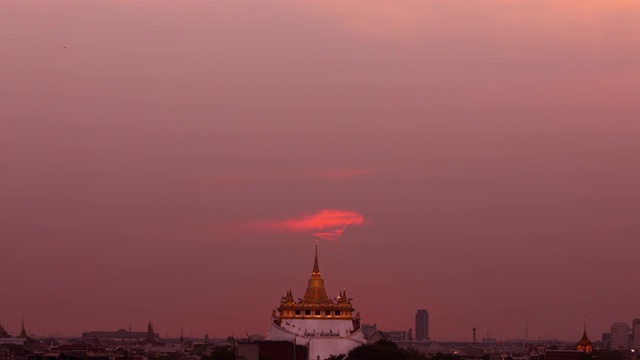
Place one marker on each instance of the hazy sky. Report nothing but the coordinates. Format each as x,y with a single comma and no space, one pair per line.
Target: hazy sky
172,160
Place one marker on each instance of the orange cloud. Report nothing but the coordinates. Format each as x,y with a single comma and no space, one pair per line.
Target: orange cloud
328,224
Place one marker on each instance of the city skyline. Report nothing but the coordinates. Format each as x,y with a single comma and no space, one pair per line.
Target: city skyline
175,162
192,333
487,337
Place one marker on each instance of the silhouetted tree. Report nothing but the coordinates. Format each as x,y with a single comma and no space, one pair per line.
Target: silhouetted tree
414,354
441,356
221,353
382,350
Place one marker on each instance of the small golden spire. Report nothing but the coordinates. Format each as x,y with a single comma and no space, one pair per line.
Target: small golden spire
316,292
316,267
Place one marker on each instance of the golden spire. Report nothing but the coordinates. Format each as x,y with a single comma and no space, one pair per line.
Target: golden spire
316,267
316,292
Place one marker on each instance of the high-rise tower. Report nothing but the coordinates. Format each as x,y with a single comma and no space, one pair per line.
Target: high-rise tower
619,336
422,325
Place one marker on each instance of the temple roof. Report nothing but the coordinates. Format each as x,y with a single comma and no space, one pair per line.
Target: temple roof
584,341
23,332
151,338
315,304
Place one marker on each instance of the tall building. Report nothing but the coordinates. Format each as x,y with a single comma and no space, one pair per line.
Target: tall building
606,340
422,325
326,327
619,336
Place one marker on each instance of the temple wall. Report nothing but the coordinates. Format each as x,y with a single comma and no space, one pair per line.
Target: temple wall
322,345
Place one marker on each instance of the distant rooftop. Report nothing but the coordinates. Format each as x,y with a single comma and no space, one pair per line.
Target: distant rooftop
119,334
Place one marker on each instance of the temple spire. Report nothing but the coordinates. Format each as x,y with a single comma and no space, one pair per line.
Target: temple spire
316,267
3,332
585,326
316,292
23,332
585,344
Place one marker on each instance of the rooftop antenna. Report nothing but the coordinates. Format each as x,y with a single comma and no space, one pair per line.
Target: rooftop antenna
526,329
474,335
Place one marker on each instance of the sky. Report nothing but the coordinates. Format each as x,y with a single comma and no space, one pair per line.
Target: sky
173,161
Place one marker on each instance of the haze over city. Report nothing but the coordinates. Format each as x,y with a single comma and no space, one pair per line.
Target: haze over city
174,161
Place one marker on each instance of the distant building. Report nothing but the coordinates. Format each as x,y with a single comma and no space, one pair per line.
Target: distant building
469,350
422,325
368,330
376,336
11,341
619,336
635,328
397,335
121,335
606,341
151,338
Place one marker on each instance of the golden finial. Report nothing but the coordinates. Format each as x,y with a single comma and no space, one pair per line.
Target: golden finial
316,292
316,267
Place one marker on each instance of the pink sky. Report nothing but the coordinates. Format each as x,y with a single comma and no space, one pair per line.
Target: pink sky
489,151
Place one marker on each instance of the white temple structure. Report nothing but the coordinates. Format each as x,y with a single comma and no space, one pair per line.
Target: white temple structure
325,326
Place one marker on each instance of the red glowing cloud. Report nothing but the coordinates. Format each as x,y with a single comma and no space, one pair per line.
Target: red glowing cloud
328,224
